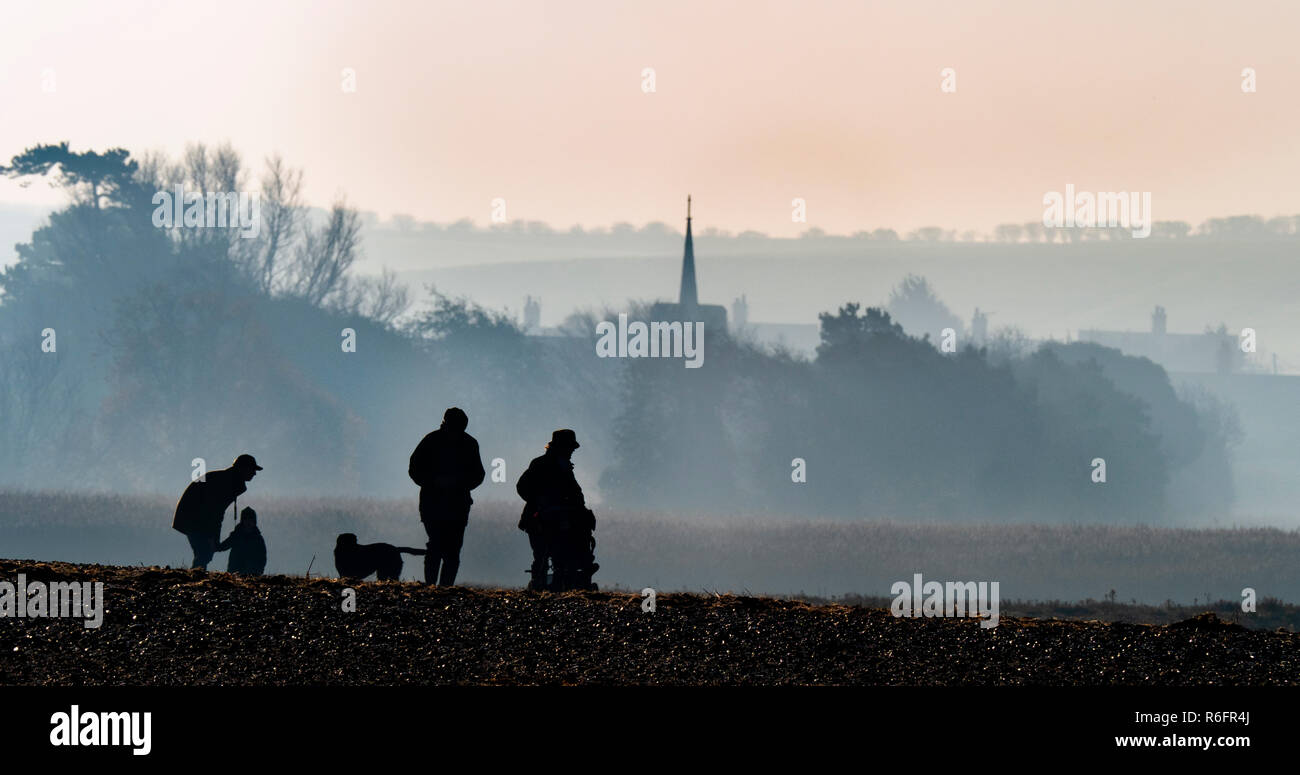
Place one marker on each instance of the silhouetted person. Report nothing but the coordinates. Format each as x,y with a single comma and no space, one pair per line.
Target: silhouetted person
556,518
246,545
356,561
202,506
446,465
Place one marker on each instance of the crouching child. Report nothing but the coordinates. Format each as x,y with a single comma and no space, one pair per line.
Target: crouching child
247,548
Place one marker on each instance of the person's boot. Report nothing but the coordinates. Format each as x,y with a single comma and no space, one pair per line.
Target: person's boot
538,583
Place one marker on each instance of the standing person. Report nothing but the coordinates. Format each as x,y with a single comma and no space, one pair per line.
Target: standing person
446,465
246,545
556,518
202,506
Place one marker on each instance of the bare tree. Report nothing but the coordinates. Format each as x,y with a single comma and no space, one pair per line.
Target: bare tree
915,306
382,299
388,298
324,256
1008,232
1170,230
203,170
1009,343
282,217
1280,226
153,169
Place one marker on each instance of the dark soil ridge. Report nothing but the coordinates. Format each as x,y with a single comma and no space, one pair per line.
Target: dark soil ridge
1270,613
165,626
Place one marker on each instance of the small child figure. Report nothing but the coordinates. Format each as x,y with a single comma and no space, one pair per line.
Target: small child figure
247,549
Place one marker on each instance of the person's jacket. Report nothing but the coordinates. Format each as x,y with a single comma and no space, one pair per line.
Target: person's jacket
548,486
446,465
203,504
247,550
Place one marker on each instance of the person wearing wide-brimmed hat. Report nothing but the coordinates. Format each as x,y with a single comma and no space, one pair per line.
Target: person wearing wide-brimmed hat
556,518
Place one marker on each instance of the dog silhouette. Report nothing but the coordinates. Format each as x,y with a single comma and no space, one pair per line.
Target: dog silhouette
354,560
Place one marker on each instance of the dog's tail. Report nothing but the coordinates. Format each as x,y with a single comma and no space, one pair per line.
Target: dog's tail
409,550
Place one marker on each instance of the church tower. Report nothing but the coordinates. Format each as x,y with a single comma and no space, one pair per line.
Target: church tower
689,298
688,306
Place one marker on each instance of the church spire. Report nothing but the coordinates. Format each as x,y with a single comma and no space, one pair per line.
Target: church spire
689,296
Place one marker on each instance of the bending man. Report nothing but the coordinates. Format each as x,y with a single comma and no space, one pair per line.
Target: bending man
202,506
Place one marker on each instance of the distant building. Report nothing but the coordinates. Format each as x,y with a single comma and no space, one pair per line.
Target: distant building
740,312
532,313
798,338
979,328
687,306
1211,352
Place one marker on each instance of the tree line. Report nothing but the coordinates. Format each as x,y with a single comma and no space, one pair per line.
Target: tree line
179,343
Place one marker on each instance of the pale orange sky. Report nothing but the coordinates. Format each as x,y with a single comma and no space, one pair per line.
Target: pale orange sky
839,103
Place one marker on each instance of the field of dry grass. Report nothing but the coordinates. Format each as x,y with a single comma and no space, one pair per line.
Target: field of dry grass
823,559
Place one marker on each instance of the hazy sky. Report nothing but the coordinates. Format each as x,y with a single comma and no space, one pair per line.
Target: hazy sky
541,104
